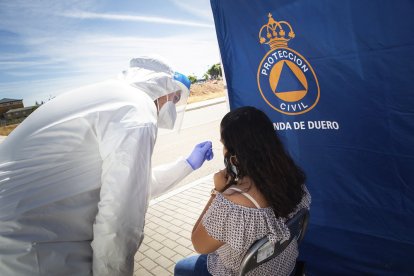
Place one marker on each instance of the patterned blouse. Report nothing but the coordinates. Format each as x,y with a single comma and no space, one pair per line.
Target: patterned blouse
239,227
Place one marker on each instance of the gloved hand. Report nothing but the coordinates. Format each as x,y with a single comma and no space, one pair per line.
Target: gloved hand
201,153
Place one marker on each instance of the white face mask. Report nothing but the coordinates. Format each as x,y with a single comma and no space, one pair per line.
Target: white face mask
167,115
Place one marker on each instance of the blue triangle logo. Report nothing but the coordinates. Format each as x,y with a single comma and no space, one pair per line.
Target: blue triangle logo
288,81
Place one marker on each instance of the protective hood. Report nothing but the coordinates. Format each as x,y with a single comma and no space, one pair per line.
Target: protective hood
152,76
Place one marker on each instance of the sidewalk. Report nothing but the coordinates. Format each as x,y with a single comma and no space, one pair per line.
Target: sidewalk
168,225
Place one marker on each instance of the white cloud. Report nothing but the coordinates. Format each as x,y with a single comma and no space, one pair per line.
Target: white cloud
201,8
105,53
36,18
136,18
93,58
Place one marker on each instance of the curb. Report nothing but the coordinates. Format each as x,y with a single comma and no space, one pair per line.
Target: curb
198,105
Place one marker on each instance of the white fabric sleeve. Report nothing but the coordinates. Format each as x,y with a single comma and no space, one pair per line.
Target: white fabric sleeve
126,148
166,176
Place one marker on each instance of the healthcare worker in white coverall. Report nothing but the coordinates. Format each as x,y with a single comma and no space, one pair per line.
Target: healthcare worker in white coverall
75,176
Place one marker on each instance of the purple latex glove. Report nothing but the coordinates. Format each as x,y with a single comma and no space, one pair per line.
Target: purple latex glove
201,153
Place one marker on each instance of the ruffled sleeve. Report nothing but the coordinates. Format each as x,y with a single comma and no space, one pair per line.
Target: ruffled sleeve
240,226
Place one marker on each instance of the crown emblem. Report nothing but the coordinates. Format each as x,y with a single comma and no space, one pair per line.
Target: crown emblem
274,33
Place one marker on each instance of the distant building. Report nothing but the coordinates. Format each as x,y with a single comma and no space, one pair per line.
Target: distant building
18,113
8,104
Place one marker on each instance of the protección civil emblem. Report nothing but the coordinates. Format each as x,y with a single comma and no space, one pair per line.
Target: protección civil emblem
286,80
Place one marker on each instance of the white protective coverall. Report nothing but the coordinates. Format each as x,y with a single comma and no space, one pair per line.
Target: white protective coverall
75,177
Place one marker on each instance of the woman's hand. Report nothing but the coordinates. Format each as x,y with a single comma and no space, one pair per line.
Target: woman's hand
220,180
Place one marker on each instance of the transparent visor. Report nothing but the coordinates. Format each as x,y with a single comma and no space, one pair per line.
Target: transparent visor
179,98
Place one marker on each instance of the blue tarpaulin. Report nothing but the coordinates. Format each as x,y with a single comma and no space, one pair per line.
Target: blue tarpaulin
336,78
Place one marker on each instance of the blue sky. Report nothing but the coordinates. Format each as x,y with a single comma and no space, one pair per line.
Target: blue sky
48,47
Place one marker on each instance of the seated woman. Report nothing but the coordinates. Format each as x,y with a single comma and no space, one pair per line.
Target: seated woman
254,196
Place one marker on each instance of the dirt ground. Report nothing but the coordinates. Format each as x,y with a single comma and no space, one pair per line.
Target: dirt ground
5,130
206,91
199,92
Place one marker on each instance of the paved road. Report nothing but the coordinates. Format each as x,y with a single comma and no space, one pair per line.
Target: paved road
198,125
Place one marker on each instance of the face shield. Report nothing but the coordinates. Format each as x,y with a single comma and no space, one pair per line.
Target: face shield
167,119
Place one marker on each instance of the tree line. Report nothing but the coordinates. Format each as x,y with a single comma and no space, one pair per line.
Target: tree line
213,73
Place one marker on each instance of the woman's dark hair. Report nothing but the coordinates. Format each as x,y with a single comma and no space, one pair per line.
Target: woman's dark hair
248,134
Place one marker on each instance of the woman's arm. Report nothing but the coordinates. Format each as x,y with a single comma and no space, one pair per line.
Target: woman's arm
203,243
204,211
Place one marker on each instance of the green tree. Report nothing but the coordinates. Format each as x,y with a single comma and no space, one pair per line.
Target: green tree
192,79
215,71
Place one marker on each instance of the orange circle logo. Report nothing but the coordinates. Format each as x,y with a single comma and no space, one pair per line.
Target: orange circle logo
287,82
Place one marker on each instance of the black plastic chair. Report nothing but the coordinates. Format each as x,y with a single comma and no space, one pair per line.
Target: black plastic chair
263,250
